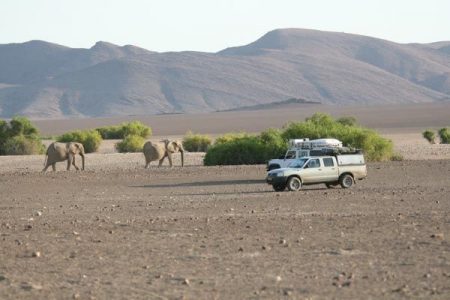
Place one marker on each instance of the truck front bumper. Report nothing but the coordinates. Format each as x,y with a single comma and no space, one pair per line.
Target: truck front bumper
275,180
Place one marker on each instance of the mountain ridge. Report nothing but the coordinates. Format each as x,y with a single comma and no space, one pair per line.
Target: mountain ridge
44,80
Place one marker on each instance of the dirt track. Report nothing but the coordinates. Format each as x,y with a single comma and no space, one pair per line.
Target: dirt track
221,232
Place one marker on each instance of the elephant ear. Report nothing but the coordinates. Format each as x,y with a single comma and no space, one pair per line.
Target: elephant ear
172,146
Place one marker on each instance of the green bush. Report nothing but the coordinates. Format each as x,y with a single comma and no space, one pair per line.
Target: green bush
131,143
110,132
242,148
444,135
347,121
228,137
91,139
245,150
196,142
273,142
19,137
430,136
20,145
375,147
123,130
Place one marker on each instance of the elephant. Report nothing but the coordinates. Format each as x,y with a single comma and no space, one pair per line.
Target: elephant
160,150
57,152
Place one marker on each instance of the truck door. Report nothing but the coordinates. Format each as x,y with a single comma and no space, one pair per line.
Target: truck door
312,172
329,169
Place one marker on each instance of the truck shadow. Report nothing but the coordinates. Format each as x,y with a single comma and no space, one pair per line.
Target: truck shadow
202,183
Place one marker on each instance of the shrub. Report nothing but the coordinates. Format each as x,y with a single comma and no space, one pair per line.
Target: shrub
125,129
90,139
397,157
273,142
196,142
21,145
242,148
19,137
110,132
430,136
375,147
444,135
131,143
228,137
245,150
347,121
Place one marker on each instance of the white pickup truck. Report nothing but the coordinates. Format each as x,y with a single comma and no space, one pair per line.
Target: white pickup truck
299,148
331,170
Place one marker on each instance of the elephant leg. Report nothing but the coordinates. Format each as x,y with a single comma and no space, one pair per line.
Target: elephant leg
161,161
69,161
46,167
73,163
147,163
169,156
54,167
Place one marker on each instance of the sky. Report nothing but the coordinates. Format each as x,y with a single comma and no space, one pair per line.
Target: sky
213,25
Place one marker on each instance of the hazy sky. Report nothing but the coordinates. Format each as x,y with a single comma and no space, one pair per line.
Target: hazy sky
212,25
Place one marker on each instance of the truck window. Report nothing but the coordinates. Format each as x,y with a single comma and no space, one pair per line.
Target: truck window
290,155
328,162
314,163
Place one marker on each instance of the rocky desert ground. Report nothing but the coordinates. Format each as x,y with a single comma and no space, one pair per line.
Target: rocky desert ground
119,231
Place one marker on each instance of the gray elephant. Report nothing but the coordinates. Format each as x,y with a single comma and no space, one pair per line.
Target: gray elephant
57,152
160,150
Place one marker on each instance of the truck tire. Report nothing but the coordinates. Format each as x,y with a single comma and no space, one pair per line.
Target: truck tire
346,181
294,184
279,187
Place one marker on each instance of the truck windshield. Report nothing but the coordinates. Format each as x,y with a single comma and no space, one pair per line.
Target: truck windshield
299,163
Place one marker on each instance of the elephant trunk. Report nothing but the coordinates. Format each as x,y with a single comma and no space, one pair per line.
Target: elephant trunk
82,161
182,157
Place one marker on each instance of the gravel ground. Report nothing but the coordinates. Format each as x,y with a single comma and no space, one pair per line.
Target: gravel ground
119,231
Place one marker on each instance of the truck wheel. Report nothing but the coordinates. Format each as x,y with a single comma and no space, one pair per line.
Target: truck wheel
346,181
294,184
279,187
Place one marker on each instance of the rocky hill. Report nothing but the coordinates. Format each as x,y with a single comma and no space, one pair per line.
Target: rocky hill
44,80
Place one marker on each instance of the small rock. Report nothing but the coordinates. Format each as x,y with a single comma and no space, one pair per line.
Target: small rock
30,286
28,227
38,213
2,277
283,242
278,278
186,281
439,236
240,249
36,254
76,296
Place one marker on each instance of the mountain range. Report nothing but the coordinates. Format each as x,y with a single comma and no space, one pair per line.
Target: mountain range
44,80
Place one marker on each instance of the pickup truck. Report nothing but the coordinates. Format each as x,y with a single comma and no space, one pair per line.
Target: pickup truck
331,170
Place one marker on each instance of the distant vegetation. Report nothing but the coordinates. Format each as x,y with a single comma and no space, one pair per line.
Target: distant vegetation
196,142
123,130
91,139
131,143
19,137
243,148
444,135
430,136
